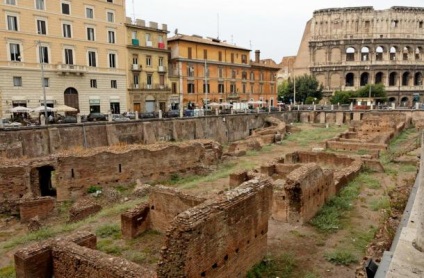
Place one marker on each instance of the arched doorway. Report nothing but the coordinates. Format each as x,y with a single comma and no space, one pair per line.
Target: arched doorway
45,181
364,79
404,101
379,77
71,98
350,77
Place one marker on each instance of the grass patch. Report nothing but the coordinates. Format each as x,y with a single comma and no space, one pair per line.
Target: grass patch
330,216
307,137
282,267
360,239
407,168
113,231
380,203
7,272
110,246
341,257
135,256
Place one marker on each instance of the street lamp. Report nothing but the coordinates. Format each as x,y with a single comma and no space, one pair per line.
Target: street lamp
42,80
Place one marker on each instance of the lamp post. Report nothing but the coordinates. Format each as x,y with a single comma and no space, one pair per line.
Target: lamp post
42,80
206,87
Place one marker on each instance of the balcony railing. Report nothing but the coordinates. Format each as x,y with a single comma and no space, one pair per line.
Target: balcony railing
135,67
161,69
74,69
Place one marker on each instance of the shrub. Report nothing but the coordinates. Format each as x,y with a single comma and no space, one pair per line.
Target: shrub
341,257
94,189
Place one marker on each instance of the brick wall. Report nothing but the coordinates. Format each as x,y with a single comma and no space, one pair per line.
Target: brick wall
13,182
222,237
307,189
41,207
135,221
166,203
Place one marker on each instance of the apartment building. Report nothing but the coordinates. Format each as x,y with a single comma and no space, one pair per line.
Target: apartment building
148,84
74,52
205,70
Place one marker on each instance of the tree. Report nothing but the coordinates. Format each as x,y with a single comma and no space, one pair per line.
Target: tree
306,87
377,90
342,97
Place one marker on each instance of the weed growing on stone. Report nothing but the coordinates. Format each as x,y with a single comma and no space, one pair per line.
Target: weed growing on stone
109,246
380,203
341,257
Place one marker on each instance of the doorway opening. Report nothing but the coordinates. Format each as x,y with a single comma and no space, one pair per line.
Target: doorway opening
45,180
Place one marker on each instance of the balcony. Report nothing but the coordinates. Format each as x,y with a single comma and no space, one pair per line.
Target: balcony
161,69
149,43
135,67
164,87
66,69
135,42
161,45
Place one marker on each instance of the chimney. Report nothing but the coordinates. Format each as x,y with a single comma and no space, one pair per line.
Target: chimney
257,56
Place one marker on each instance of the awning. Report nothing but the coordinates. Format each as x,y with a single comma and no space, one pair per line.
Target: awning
94,100
19,99
49,99
114,99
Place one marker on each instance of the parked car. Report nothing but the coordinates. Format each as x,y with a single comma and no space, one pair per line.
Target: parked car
119,118
67,120
147,115
172,114
188,113
94,117
9,123
129,115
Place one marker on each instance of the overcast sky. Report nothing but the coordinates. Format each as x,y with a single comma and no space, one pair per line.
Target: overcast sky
275,27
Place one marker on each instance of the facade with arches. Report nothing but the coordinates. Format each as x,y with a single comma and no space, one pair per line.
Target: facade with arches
347,48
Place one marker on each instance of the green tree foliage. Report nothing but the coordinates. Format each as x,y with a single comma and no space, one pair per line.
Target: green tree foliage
377,90
306,86
342,97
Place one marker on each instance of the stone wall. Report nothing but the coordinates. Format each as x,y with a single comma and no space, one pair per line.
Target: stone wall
307,189
322,158
135,221
13,182
41,207
222,237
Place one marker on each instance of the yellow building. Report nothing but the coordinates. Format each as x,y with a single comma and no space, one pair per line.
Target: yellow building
209,70
148,85
80,45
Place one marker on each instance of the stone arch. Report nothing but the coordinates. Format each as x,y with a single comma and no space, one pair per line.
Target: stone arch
320,78
418,52
336,55
365,77
405,78
350,54
393,51
335,80
418,79
392,79
379,78
392,99
350,79
406,53
320,56
379,51
365,53
404,101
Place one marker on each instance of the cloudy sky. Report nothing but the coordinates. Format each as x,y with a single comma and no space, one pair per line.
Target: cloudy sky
275,27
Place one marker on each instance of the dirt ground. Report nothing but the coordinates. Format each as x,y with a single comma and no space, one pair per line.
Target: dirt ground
306,245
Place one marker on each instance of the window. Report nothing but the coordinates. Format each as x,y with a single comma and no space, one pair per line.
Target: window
39,4
90,34
17,81
135,59
395,23
89,12
110,1
136,81
148,61
41,27
220,72
111,36
190,71
44,54
149,81
66,8
190,88
15,53
45,82
221,88
69,56
113,84
11,2
232,88
93,83
233,74
110,17
232,57
162,80
189,52
12,23
420,24
220,56
92,59
112,60
205,54
160,61
244,59
67,30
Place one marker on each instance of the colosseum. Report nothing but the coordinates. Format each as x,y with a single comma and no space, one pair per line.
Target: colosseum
346,48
